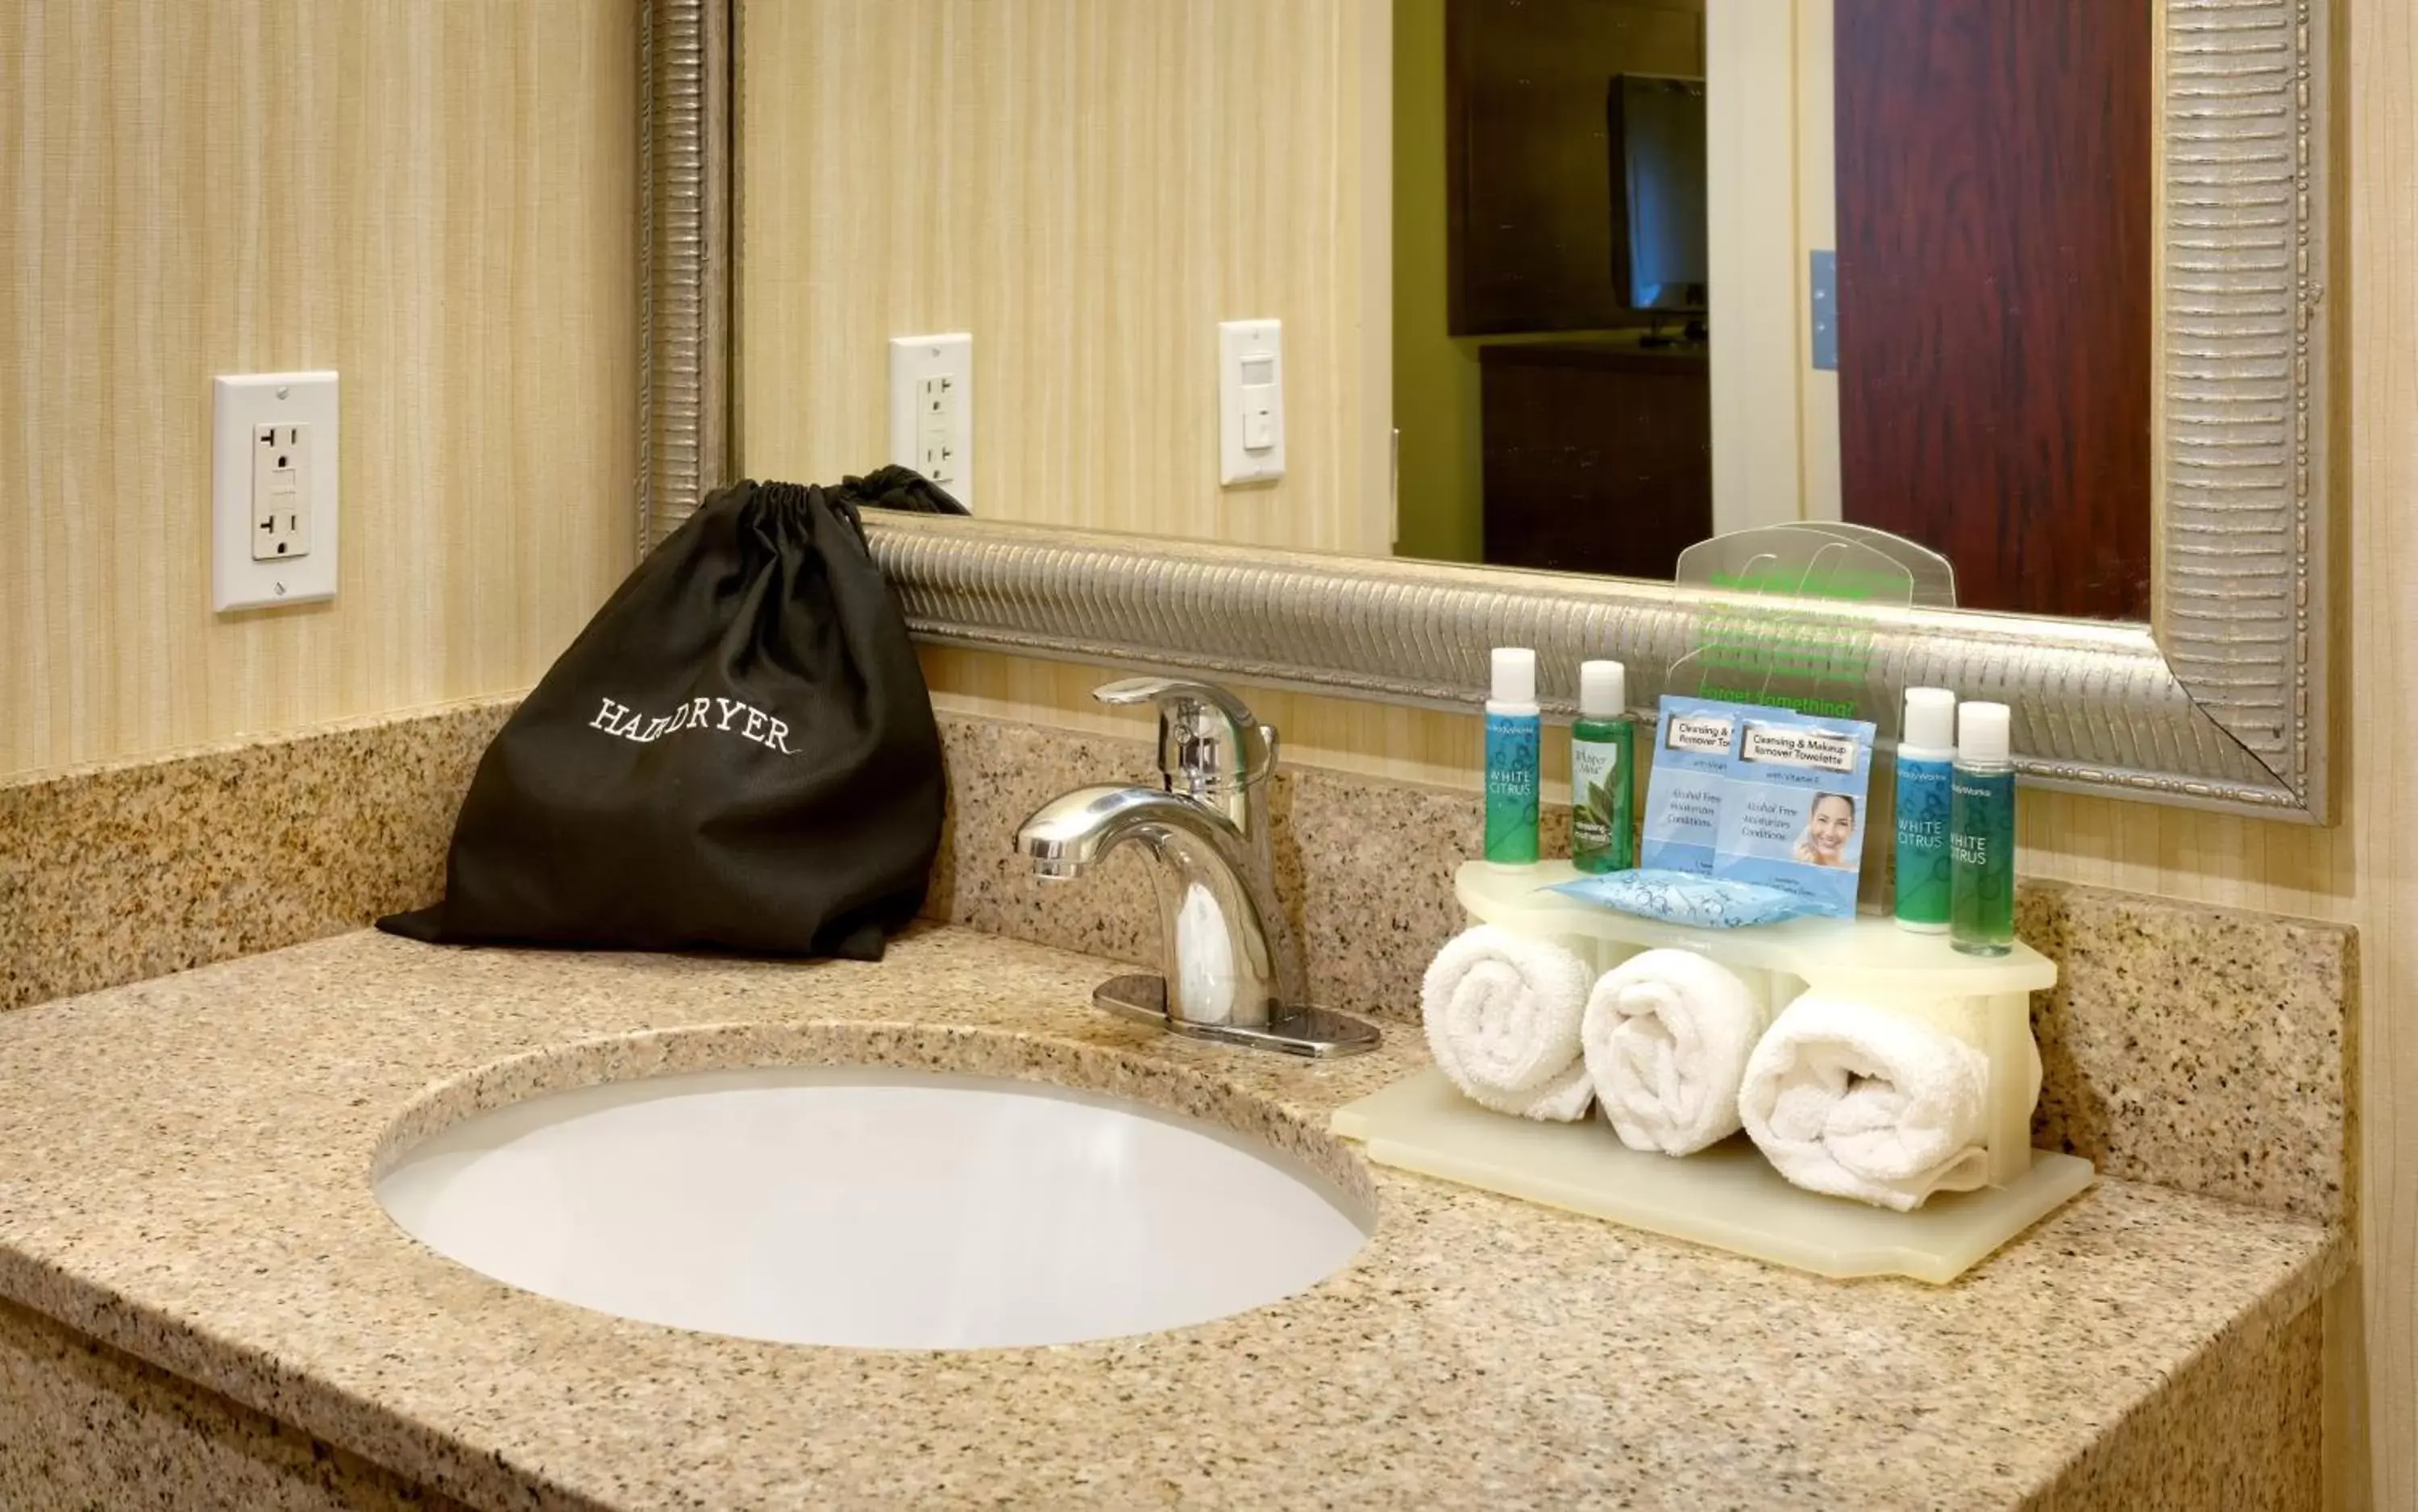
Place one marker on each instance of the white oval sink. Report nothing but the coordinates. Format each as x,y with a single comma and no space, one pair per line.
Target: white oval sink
871,1208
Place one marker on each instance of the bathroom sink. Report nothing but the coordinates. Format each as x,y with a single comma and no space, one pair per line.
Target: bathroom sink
876,1209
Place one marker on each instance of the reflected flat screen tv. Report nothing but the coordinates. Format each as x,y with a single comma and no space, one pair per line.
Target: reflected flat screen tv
1657,130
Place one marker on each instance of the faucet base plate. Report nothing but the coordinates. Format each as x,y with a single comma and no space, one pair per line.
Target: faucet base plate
1290,1030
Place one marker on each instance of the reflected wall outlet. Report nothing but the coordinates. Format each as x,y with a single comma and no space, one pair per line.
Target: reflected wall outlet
932,409
272,490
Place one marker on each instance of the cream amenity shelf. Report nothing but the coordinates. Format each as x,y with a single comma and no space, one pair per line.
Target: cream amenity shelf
1729,1196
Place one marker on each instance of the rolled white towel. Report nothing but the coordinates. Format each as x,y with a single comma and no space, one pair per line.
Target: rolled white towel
1502,1013
1666,1035
1886,1106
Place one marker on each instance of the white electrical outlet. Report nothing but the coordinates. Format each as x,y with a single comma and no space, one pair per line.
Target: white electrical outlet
281,493
273,490
932,409
936,429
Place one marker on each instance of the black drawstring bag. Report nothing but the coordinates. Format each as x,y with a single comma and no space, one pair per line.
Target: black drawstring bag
736,753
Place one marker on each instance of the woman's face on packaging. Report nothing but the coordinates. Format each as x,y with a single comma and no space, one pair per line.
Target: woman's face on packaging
1832,826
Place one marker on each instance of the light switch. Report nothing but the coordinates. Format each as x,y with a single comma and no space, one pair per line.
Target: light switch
1251,402
1259,402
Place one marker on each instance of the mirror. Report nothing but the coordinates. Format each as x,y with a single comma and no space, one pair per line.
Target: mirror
1626,274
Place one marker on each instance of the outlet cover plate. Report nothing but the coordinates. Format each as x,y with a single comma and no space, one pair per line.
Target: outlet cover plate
240,405
917,363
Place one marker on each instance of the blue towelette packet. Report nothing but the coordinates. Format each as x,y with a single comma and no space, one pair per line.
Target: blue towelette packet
1684,898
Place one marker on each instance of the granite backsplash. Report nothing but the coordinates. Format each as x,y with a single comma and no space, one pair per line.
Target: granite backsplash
2201,1049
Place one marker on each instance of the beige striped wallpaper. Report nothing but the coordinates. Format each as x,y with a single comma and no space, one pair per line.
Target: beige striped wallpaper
439,200
1088,186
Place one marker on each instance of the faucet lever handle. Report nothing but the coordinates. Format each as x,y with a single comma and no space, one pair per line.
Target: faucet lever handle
1205,733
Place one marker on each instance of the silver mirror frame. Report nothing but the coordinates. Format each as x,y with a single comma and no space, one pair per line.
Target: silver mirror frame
2222,704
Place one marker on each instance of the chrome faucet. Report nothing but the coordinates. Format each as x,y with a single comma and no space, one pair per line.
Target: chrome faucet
1233,970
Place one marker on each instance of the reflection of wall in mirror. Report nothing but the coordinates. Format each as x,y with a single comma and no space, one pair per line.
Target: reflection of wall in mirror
1774,433
1436,373
1768,80
1088,186
1509,226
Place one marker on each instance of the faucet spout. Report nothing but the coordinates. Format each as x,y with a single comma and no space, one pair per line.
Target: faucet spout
1233,970
1066,836
1229,951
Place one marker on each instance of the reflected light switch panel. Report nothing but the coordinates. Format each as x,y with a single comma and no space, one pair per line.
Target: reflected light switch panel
1251,402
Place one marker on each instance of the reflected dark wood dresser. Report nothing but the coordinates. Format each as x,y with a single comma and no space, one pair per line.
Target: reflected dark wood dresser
1599,455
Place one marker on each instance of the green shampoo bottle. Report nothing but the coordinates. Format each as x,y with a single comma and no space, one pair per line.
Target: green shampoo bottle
1603,763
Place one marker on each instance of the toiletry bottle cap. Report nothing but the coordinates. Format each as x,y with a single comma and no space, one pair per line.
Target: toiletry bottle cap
1929,719
1515,675
1982,732
1603,689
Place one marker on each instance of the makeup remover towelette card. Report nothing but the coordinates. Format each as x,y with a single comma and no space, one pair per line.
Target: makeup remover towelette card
1760,795
1793,817
1694,743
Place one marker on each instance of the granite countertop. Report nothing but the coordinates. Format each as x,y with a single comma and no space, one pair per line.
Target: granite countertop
186,1178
